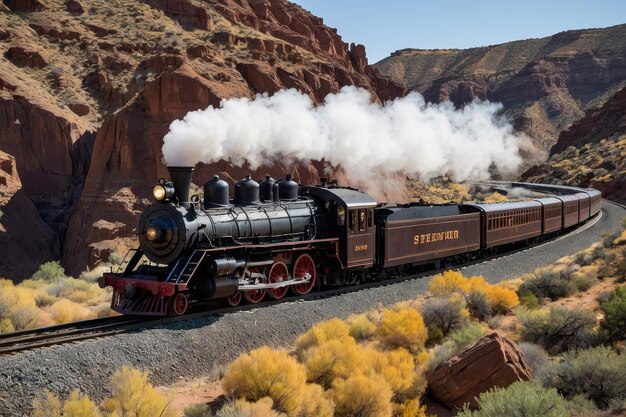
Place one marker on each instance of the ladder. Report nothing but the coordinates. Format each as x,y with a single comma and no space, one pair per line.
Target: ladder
185,268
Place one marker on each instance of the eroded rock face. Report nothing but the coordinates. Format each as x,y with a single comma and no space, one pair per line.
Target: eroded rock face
608,120
492,361
24,237
127,77
544,84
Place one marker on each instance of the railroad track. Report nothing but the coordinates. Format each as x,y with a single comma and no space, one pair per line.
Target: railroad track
67,332
90,329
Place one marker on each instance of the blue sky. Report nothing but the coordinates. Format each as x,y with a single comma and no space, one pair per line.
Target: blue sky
386,26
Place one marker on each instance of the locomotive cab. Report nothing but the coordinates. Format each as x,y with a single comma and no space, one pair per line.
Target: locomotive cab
348,216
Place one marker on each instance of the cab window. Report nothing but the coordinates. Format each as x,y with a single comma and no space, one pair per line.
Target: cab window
352,219
341,216
362,220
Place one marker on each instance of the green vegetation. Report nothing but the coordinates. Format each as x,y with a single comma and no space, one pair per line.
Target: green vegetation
522,399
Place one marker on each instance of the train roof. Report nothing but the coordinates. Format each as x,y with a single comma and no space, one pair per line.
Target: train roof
349,197
548,200
505,206
568,197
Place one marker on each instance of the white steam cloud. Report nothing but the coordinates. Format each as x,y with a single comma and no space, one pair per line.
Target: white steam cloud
368,141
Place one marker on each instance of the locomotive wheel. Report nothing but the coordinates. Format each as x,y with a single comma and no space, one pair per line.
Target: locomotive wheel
179,305
278,273
256,296
235,300
303,265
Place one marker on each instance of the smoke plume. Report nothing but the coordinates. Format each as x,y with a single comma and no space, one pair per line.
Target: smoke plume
366,140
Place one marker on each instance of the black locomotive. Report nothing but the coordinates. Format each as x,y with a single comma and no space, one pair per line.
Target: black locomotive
276,236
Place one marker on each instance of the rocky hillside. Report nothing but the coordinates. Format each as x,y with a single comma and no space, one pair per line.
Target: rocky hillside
592,152
89,88
544,84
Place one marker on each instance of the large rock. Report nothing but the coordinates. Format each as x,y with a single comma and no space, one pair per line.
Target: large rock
492,361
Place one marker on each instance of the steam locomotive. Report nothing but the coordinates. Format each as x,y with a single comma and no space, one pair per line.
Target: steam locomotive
276,236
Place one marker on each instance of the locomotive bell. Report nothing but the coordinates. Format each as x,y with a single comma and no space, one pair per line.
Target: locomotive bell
247,191
216,193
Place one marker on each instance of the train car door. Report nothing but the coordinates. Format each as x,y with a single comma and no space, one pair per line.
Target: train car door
361,242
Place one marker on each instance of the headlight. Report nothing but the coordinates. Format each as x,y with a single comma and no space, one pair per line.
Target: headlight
163,191
158,191
152,233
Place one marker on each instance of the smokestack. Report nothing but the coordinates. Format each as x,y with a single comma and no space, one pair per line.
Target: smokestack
181,177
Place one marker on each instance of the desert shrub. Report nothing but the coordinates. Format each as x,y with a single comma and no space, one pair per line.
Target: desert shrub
396,367
25,318
243,408
403,328
64,311
604,271
334,329
198,410
410,408
559,328
521,399
534,356
314,403
613,324
598,373
332,359
478,306
134,395
584,278
465,335
621,269
598,252
47,405
6,326
362,396
581,406
104,310
548,284
361,327
266,373
76,405
43,299
495,322
501,299
49,272
75,290
448,283
441,353
583,258
528,299
609,239
442,315
14,298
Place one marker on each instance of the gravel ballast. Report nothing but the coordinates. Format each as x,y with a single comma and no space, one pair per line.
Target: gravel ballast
192,348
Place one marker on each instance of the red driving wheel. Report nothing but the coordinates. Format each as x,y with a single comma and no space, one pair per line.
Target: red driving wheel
179,304
278,273
255,296
304,265
235,300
